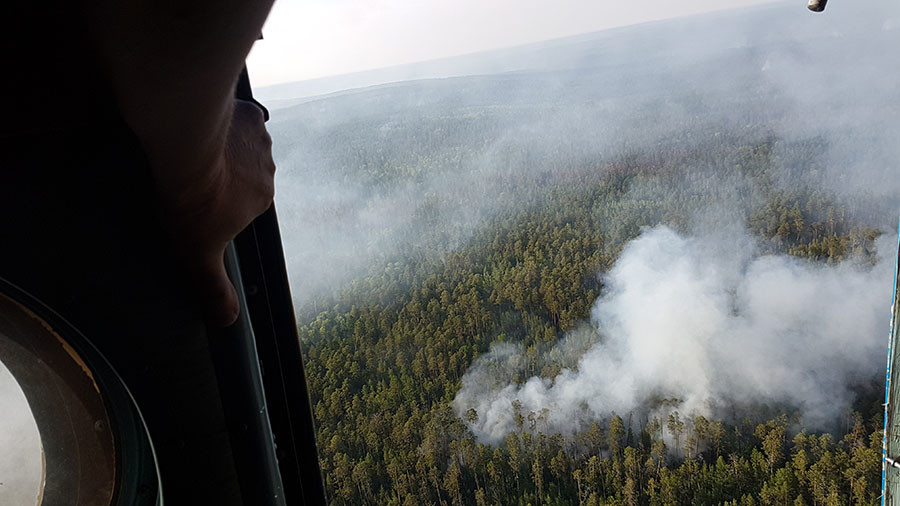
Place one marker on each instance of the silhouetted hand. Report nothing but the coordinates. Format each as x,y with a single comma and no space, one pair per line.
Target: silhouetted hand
208,216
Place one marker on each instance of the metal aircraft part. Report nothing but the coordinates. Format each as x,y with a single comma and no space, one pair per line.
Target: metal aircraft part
817,5
890,467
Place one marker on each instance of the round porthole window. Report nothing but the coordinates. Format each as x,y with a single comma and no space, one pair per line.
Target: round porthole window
71,433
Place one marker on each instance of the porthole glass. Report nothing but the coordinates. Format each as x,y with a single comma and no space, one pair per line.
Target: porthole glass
21,456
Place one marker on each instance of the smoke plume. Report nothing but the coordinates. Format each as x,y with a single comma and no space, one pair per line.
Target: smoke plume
705,320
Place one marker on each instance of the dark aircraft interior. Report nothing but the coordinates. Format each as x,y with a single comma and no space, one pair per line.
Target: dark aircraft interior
136,401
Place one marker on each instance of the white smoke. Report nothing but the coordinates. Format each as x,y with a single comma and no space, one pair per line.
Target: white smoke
705,320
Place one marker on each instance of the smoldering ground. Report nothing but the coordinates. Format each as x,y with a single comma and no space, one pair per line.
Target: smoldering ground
703,319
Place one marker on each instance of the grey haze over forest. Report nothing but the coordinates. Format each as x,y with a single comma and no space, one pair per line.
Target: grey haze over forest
579,101
383,176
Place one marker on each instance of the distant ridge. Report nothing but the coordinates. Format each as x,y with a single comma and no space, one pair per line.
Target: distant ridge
553,54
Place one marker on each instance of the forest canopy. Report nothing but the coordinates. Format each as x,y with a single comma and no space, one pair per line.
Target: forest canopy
427,222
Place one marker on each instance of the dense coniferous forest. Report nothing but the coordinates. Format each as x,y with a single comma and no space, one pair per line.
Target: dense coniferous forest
385,362
513,253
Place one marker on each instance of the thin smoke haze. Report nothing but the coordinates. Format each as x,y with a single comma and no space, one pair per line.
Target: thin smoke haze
367,175
704,320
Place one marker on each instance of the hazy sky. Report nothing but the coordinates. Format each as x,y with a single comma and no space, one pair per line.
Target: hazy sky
307,39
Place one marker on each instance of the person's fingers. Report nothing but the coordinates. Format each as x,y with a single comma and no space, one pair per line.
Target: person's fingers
214,216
